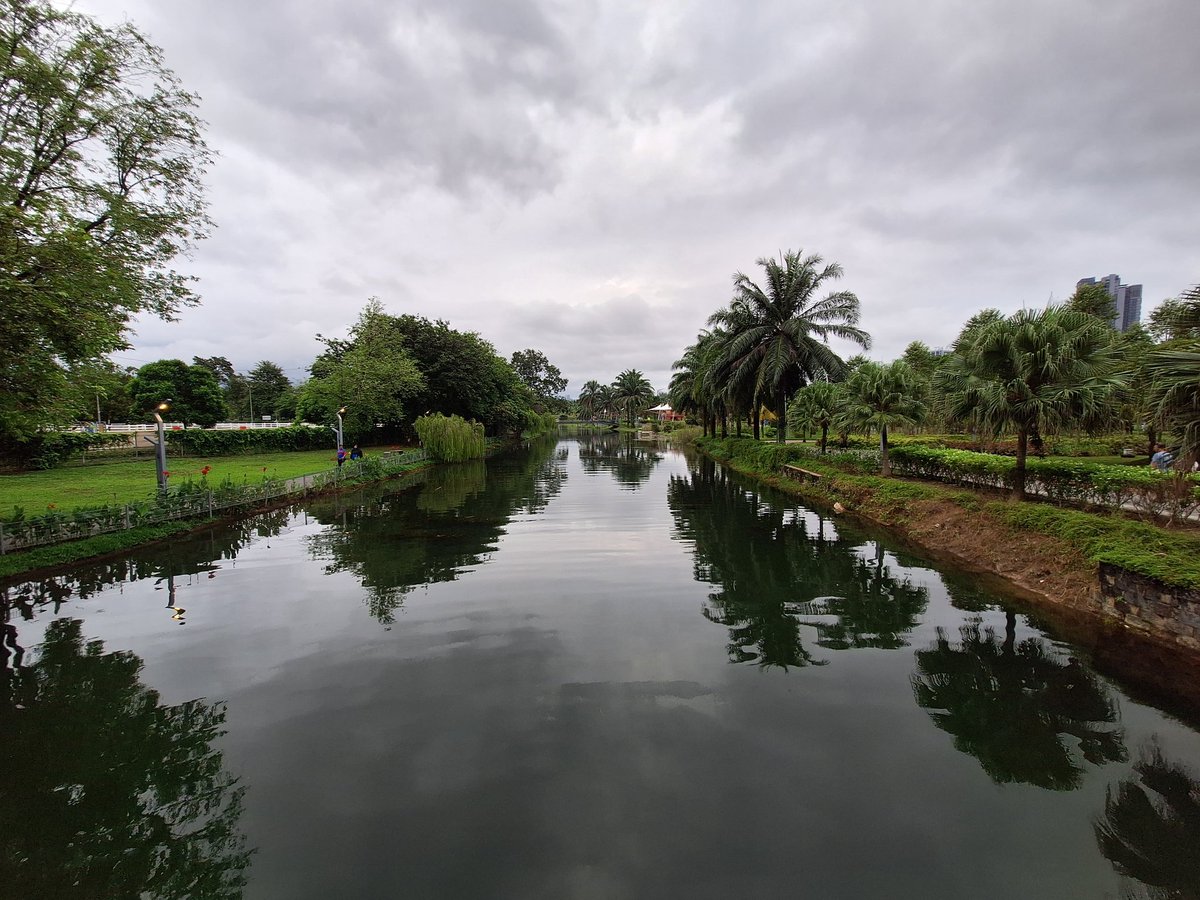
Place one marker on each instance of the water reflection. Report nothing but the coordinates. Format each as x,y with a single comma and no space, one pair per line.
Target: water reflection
777,570
1150,830
186,557
628,462
106,792
1025,712
395,541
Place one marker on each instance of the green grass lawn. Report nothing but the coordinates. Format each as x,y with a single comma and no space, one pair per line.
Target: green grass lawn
125,480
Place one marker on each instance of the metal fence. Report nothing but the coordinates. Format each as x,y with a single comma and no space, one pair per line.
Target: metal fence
193,501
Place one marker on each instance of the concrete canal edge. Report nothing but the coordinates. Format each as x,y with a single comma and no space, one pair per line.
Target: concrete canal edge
1133,627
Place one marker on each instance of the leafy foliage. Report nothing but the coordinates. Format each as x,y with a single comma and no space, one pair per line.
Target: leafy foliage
100,190
450,438
193,392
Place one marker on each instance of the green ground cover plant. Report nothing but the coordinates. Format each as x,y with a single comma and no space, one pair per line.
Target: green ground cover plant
125,481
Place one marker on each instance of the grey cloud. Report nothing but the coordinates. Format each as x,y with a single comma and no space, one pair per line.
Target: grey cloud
499,165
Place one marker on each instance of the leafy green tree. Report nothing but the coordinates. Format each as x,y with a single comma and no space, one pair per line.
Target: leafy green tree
100,190
1175,318
880,396
270,390
371,375
233,386
777,336
920,359
1035,370
540,376
1095,300
463,374
817,404
192,391
631,392
107,792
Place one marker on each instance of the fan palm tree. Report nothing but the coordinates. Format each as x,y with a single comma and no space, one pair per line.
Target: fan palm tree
879,396
1175,379
777,335
631,392
816,404
1034,370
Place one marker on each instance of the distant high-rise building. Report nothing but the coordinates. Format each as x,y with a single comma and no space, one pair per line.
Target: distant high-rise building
1127,298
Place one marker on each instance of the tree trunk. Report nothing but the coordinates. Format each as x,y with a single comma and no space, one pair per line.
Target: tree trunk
885,464
1018,492
1010,633
737,425
757,425
1151,439
724,425
824,436
781,424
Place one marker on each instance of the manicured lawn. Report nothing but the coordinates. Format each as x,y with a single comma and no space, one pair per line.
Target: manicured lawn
126,480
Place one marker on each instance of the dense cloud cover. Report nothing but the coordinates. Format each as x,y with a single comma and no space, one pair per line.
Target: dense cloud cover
584,176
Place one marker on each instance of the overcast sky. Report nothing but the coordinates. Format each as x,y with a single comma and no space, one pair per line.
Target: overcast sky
584,177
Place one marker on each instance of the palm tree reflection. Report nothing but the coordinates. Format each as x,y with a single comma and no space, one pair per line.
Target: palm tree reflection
1014,706
775,570
1150,831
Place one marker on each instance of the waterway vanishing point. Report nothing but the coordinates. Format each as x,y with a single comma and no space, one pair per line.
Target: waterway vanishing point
590,669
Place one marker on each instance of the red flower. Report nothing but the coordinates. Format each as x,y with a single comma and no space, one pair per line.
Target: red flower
166,474
51,506
206,470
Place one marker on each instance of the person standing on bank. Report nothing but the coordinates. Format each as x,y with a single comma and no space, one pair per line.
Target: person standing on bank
1162,458
341,457
355,453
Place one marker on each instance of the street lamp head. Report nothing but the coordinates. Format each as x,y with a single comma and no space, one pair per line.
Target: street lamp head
164,406
342,411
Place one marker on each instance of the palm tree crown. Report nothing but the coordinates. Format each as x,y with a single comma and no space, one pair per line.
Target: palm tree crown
777,336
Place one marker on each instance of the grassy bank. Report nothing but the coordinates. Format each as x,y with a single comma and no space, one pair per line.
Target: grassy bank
983,525
123,481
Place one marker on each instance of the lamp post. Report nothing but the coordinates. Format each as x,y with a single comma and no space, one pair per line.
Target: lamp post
160,450
338,430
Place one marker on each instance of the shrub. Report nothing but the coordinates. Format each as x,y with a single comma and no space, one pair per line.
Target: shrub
450,438
47,449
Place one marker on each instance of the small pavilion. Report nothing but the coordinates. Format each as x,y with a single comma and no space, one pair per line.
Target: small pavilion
664,413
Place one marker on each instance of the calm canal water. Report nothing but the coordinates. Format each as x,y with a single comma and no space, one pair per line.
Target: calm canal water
590,670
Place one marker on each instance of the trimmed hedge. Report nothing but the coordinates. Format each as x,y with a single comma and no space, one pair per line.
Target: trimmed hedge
1059,479
201,442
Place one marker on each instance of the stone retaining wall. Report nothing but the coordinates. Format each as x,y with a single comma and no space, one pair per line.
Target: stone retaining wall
1162,610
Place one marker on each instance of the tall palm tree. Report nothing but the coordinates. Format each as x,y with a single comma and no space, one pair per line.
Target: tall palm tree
777,335
632,391
1034,370
589,395
879,396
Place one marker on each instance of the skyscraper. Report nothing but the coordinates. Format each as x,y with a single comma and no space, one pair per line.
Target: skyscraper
1127,298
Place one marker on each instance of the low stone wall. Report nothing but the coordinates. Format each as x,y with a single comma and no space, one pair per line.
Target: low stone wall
1162,610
